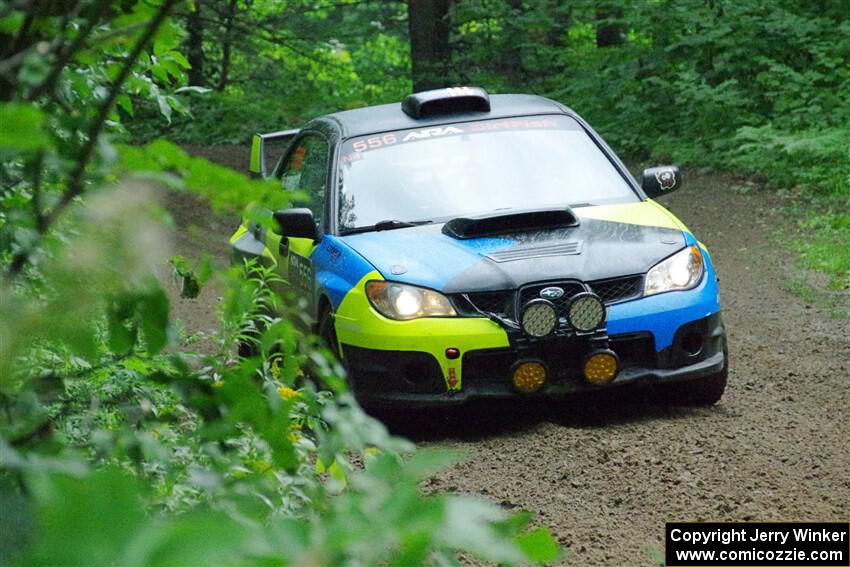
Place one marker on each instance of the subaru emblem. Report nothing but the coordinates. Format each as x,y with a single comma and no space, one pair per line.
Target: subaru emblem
551,293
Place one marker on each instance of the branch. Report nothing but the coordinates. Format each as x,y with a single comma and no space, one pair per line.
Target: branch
12,62
36,191
77,182
12,7
65,55
271,36
21,38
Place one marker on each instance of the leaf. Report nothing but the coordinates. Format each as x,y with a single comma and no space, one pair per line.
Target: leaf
176,104
181,265
172,68
167,38
121,324
16,519
193,89
656,554
22,127
126,103
337,473
178,57
153,309
160,72
539,546
468,525
85,520
197,538
11,23
164,107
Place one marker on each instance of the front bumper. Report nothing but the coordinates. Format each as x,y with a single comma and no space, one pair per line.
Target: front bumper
405,363
409,379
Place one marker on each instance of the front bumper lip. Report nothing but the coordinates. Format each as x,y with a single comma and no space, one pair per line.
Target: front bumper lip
635,376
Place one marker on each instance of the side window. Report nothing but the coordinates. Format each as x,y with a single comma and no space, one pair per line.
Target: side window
306,172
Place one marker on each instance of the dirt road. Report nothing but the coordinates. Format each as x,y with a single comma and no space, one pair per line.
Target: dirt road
605,475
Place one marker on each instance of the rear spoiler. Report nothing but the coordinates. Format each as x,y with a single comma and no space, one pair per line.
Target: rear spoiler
258,149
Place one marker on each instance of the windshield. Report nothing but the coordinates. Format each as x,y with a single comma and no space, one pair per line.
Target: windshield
442,172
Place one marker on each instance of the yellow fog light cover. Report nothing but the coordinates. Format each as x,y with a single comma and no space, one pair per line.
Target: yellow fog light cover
601,366
529,376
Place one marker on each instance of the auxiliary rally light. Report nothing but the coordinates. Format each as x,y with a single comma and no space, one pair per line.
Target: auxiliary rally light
539,318
601,366
529,376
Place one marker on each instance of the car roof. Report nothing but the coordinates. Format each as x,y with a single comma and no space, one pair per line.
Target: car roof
388,117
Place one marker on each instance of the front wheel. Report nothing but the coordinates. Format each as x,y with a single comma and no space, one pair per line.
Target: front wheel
247,346
327,331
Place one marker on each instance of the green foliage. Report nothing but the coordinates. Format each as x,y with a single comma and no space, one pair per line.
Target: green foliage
23,128
758,89
211,446
193,278
288,61
120,445
215,447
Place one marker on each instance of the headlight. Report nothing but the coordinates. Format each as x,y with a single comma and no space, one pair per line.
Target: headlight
404,302
682,270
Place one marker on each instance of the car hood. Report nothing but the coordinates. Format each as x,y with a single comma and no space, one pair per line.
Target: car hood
610,241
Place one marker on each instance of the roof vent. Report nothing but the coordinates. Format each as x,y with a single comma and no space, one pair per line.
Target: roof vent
446,101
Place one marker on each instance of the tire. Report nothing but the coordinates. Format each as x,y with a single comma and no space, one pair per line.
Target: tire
703,392
247,349
327,331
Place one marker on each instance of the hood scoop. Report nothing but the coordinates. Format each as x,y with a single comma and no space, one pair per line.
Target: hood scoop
529,252
464,228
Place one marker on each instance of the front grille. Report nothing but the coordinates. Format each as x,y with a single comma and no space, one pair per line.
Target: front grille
499,302
506,304
570,288
618,289
492,301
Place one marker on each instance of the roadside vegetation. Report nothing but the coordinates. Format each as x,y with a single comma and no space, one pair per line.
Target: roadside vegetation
119,444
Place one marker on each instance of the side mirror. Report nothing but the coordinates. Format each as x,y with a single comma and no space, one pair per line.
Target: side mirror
296,223
661,180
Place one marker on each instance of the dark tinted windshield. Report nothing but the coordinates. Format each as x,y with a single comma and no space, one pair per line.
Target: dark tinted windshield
441,172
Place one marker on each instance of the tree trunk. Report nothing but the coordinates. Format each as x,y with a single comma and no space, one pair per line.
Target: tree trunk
195,27
429,26
609,33
228,42
511,62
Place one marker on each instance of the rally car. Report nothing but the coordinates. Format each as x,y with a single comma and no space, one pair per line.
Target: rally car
463,245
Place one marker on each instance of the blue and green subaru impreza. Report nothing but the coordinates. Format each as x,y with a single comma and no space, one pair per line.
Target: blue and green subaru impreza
461,245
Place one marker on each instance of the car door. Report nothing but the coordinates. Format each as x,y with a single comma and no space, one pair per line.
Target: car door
304,176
